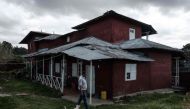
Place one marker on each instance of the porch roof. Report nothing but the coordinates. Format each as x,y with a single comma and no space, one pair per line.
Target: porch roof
86,41
85,53
99,52
92,48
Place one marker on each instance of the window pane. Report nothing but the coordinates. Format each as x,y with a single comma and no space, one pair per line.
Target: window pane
130,71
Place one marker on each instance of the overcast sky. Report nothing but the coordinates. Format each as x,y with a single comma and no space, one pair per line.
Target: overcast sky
171,18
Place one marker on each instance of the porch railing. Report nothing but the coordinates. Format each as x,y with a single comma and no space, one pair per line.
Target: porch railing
175,80
51,81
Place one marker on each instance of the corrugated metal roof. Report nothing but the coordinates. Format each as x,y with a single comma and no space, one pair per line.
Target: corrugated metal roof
99,52
85,41
35,53
85,53
93,49
50,37
30,55
142,43
117,53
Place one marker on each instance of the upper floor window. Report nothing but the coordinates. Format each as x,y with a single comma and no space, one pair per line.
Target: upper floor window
68,39
131,33
130,72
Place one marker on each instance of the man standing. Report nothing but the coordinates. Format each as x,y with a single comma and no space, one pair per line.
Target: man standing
82,86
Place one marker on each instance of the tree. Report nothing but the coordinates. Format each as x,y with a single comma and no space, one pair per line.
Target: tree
186,50
19,50
6,49
8,52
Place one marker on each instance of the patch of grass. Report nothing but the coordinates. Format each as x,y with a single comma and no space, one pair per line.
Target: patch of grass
33,102
7,103
42,97
18,86
151,101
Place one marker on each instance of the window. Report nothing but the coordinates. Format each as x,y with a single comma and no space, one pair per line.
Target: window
130,72
74,70
131,33
57,67
68,39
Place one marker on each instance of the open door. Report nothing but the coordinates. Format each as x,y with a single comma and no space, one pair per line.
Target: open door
88,78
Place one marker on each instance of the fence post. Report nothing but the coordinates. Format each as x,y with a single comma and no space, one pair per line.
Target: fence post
43,72
36,70
51,76
31,68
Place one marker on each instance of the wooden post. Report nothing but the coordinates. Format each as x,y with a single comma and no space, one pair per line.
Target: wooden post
31,68
63,74
36,69
51,75
26,62
90,100
177,72
43,71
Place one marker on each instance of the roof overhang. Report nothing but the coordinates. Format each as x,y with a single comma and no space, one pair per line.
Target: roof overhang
32,34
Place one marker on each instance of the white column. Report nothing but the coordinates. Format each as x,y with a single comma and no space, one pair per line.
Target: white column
51,75
90,100
36,69
31,68
63,74
43,71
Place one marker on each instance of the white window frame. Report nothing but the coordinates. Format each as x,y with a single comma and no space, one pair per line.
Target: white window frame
130,70
132,35
57,68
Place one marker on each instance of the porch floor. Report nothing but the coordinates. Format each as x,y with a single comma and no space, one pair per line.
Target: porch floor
95,101
72,95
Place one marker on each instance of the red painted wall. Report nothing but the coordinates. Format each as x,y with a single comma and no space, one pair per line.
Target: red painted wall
122,87
160,69
101,30
103,77
120,30
113,30
110,29
150,75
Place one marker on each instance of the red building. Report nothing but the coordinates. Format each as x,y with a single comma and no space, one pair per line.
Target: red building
109,49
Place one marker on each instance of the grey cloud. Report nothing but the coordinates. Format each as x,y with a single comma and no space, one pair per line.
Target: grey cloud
8,23
92,8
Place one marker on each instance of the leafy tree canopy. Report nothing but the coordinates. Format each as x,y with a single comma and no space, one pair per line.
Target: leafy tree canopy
8,52
186,50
